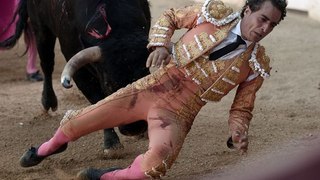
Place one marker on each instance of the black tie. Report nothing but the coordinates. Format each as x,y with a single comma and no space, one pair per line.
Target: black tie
225,50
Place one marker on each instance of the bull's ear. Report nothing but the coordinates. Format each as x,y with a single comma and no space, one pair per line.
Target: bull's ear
66,82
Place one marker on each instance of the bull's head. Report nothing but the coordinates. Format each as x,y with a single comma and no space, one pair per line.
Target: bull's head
117,57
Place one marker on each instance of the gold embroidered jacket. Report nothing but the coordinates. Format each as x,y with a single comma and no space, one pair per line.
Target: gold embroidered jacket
208,25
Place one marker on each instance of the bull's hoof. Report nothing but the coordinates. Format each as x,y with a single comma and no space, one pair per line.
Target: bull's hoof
34,77
30,157
94,174
49,102
117,152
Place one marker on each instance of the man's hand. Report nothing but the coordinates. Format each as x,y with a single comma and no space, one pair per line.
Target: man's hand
239,141
160,56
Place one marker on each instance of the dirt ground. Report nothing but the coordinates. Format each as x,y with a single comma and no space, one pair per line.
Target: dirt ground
286,115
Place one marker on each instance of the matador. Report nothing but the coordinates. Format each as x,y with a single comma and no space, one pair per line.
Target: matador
189,76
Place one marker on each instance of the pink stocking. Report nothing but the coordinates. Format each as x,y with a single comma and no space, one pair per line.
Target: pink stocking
7,10
53,144
32,50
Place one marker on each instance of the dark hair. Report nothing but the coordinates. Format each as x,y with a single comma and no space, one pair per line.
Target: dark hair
255,5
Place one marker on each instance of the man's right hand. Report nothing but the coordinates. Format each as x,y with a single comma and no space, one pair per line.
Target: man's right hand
160,56
240,141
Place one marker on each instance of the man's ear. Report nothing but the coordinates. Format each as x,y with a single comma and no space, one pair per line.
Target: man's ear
247,11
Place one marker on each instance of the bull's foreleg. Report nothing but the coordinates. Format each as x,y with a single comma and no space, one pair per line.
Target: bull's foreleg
49,98
90,87
134,129
112,146
45,46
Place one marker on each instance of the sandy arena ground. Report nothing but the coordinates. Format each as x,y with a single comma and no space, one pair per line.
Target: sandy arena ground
286,115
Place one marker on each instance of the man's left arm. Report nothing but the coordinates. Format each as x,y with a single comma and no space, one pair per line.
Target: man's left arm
241,113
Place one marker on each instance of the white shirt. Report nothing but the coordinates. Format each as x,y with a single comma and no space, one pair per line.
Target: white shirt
232,37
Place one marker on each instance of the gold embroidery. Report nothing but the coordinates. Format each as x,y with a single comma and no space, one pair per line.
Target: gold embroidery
163,22
183,57
151,79
196,10
220,65
212,93
218,10
263,59
180,15
68,116
158,171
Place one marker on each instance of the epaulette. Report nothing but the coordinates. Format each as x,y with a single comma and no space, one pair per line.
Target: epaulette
260,62
217,13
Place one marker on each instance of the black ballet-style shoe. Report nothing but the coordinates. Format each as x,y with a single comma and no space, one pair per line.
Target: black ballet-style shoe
30,157
34,77
94,174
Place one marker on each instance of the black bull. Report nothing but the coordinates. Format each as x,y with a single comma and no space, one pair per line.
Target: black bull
118,28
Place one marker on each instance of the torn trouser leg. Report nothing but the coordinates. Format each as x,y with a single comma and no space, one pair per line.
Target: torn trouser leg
166,136
167,99
168,129
169,121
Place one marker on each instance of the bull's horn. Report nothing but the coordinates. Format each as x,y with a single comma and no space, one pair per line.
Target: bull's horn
89,55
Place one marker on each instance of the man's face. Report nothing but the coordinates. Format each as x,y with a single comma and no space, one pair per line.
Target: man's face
256,25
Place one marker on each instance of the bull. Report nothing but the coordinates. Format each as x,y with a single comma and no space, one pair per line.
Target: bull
105,41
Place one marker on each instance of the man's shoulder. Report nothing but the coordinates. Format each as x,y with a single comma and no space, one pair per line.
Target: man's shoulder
217,13
263,59
216,9
261,52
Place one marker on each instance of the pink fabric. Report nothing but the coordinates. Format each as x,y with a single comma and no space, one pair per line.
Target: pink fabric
132,172
30,41
53,144
167,99
7,10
